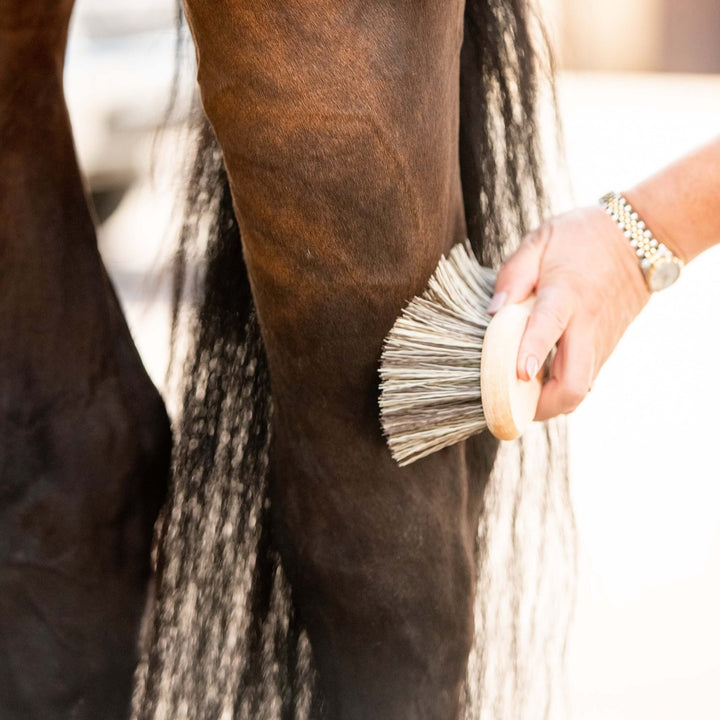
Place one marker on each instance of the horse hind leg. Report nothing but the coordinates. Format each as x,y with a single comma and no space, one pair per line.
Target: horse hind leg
84,438
338,124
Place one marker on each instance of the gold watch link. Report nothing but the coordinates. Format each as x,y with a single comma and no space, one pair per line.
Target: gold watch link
659,266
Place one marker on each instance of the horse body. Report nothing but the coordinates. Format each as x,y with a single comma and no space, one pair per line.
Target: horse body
353,165
338,124
84,439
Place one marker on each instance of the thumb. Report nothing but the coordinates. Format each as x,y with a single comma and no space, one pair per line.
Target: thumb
519,276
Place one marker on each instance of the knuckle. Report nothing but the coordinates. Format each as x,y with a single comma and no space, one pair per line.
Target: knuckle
550,315
539,237
572,395
505,273
512,273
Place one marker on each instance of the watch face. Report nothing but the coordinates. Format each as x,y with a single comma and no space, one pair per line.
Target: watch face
663,273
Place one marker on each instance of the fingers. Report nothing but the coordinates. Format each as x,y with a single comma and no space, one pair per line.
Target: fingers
546,325
550,262
572,374
518,277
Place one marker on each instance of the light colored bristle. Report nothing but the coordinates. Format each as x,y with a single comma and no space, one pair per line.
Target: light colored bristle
430,365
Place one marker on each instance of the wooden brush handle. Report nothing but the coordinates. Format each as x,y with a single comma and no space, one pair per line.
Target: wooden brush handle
508,402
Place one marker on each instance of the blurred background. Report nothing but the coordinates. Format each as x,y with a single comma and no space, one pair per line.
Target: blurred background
639,86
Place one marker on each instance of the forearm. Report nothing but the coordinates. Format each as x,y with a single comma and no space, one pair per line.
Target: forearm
681,203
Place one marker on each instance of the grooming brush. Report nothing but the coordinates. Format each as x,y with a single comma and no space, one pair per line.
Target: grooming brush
448,369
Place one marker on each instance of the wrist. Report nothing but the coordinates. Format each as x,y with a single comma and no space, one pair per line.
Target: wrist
663,225
625,256
680,202
660,266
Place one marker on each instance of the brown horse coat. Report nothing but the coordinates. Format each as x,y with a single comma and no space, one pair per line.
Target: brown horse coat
338,122
84,439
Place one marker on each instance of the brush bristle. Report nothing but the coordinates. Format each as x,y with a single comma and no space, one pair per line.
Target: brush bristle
430,365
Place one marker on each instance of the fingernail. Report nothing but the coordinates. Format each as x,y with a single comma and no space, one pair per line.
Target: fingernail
531,367
496,302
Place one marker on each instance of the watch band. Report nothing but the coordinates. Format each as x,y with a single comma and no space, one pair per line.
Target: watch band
659,266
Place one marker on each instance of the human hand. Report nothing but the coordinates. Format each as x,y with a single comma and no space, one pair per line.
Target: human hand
589,288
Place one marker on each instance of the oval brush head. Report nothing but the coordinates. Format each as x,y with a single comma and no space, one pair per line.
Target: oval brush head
433,365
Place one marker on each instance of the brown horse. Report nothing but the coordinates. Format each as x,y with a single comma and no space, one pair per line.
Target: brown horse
84,439
309,574
357,143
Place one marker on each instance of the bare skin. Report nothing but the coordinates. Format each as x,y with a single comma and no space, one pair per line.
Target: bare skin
84,439
587,277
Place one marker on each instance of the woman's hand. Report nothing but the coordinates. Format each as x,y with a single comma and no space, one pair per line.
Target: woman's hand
589,289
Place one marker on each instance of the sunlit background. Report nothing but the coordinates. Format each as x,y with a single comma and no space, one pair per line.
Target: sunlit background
636,90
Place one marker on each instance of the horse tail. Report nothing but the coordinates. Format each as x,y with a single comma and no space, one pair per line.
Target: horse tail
504,61
526,548
223,640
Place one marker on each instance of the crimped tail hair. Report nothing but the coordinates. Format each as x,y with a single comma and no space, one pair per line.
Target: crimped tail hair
223,640
504,60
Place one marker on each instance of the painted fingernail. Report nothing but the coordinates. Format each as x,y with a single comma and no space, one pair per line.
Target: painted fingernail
496,302
531,367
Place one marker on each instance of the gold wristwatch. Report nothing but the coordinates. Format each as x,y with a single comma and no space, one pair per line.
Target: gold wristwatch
659,266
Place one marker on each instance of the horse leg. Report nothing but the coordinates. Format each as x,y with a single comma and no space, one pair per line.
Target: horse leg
84,438
338,123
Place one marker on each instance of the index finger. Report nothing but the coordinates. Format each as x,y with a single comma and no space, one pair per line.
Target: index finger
547,323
